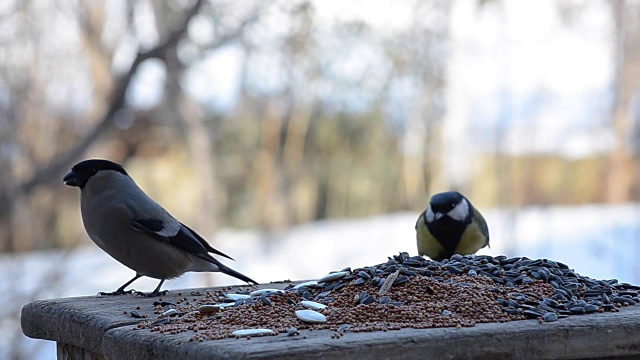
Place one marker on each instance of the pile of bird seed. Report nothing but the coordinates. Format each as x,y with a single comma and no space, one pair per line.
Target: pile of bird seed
404,292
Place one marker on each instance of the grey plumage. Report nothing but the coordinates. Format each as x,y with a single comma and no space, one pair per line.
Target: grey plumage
135,230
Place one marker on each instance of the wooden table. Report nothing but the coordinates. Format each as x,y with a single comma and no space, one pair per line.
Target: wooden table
96,328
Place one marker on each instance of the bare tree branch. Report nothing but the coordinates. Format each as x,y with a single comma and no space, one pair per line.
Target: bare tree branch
117,102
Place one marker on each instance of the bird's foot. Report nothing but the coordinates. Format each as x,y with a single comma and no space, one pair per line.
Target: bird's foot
151,294
117,292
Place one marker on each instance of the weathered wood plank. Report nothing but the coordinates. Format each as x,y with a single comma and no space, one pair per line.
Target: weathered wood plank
99,325
83,321
70,352
80,321
578,337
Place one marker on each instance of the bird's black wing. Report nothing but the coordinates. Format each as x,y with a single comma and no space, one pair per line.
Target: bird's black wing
204,243
185,239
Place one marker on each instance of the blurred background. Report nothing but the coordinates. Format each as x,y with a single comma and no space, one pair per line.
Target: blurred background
302,137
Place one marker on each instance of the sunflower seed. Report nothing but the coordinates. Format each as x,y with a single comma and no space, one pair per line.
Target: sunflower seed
333,276
164,321
265,300
512,311
312,283
578,310
412,262
163,303
360,281
623,300
368,300
400,280
590,309
455,269
550,317
532,314
323,294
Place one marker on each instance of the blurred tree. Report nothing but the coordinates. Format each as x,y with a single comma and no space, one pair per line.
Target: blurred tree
42,138
331,117
622,172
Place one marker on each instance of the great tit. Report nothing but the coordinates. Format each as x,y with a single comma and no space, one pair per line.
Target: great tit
450,225
135,230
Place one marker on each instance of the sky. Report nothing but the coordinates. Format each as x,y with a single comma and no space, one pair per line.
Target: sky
527,78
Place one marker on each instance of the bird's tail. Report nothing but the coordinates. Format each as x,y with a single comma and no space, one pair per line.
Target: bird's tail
229,271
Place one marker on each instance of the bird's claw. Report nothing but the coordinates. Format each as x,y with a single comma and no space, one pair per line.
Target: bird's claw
151,294
117,292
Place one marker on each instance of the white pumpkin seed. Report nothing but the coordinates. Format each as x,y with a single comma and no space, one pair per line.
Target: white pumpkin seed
313,305
262,291
252,332
169,312
236,296
311,316
224,305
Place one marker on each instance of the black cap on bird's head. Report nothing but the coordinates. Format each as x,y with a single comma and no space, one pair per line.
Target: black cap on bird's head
81,172
446,201
450,203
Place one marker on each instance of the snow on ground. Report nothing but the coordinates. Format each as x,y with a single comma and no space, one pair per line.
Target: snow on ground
597,241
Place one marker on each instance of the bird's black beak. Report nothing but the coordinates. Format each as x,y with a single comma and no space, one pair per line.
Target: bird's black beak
70,178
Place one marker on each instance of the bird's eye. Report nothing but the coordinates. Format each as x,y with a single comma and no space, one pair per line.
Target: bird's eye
453,205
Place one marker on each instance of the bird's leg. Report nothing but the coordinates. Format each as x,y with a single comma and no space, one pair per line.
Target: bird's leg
155,292
121,290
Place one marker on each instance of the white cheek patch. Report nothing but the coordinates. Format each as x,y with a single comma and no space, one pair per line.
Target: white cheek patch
429,215
460,212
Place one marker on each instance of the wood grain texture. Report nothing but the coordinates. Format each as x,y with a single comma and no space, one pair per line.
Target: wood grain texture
100,326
